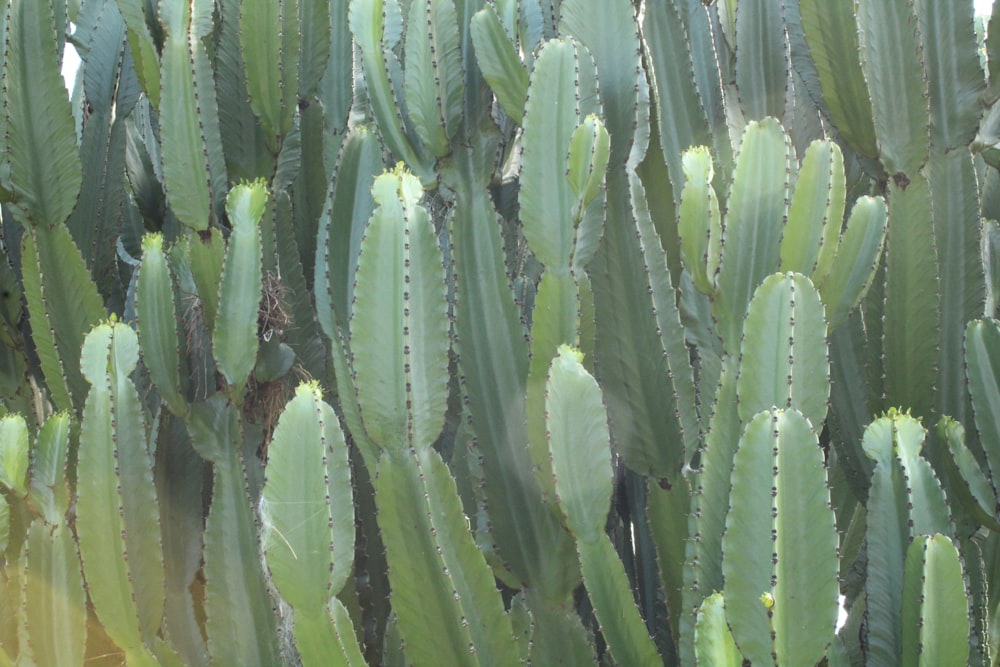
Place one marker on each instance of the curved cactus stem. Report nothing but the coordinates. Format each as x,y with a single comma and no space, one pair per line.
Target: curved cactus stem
122,558
935,604
783,355
443,592
234,336
891,58
713,642
435,82
143,50
580,447
497,57
41,159
831,31
970,483
54,601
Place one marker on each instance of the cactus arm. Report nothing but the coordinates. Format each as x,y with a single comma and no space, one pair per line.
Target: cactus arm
240,624
317,43
40,139
700,221
443,592
370,20
955,76
349,205
155,311
308,514
970,483
935,604
779,551
982,367
112,423
234,337
435,82
401,381
269,41
762,67
713,641
811,236
493,351
891,58
579,443
957,229
753,223
186,174
207,256
831,33
14,454
912,335
681,116
48,493
550,117
54,601
852,270
63,304
497,57
795,372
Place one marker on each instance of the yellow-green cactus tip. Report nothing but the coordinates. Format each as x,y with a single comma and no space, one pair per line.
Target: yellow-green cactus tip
767,600
570,353
310,387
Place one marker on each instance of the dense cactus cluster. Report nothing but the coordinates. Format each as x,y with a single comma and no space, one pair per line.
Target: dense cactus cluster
499,332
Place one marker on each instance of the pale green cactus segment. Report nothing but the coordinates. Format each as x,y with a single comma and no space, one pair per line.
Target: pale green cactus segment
348,206
912,331
589,151
435,80
982,367
935,604
700,221
156,314
852,269
306,505
753,223
207,253
4,523
343,626
784,360
831,31
713,642
48,493
186,175
321,644
812,234
550,117
555,323
682,121
372,23
140,41
443,592
399,326
579,444
39,142
498,59
270,34
762,67
63,304
892,60
14,445
234,336
779,552
55,605
112,462
970,483
956,81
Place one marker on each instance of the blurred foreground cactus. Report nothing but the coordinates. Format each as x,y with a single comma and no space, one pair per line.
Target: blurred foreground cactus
499,332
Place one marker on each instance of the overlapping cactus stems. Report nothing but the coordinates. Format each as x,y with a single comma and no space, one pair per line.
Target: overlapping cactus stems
609,321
